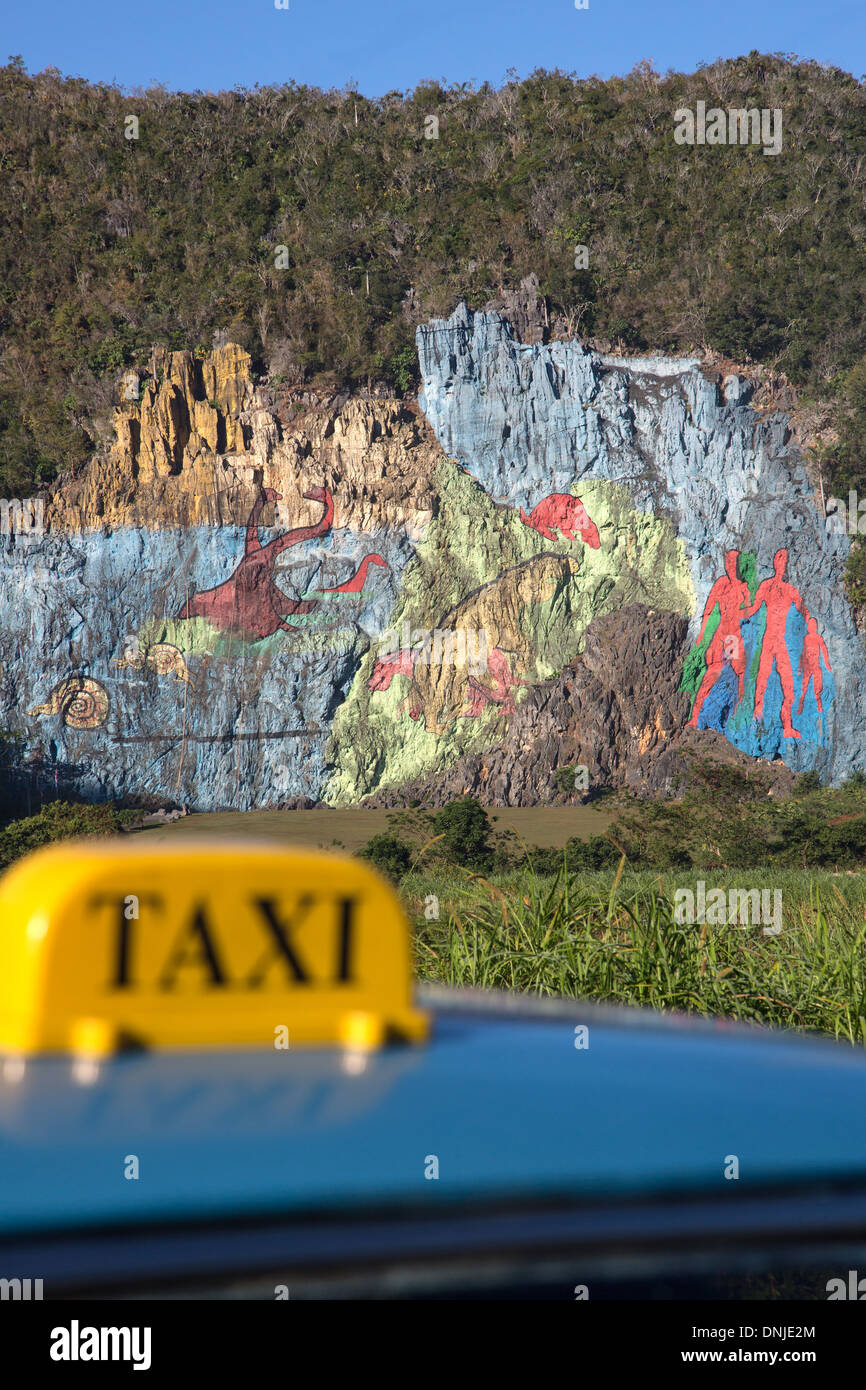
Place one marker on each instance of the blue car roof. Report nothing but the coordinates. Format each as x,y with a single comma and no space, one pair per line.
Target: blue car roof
501,1097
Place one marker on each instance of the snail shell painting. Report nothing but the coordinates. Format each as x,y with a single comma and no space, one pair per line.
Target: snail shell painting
82,702
161,657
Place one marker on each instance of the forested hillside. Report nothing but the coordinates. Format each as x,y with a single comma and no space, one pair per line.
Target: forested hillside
112,244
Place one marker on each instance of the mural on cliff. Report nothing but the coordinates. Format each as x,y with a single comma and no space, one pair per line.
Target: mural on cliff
775,662
160,657
753,637
251,602
564,514
423,574
80,702
483,636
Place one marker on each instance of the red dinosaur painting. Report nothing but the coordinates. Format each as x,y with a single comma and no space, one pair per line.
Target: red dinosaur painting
251,602
470,660
400,663
359,578
562,512
387,667
498,668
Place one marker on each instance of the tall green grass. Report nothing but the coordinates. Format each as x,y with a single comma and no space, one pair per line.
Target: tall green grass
612,936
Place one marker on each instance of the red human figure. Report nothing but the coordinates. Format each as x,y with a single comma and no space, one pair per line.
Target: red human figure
810,664
250,601
726,646
562,512
779,598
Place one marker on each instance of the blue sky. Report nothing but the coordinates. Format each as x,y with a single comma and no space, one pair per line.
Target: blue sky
380,45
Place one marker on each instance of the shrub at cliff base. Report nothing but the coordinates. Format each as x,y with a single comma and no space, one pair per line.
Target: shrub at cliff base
60,820
465,831
390,855
727,820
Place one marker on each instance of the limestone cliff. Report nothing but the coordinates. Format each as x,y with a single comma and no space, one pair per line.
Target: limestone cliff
616,711
776,664
210,586
199,441
560,558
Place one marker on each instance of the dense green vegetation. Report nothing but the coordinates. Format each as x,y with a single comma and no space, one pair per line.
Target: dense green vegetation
597,919
613,937
60,820
726,819
390,855
847,469
109,244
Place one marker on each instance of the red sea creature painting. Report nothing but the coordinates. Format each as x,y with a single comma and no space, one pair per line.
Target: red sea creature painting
250,602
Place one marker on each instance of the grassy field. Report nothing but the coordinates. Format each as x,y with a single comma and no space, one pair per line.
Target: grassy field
352,828
520,922
613,937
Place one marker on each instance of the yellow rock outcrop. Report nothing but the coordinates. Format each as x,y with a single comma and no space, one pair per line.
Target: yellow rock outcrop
201,441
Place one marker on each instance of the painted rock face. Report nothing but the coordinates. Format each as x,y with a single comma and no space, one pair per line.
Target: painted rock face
82,702
161,657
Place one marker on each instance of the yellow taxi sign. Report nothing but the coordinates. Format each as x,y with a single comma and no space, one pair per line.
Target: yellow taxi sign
107,944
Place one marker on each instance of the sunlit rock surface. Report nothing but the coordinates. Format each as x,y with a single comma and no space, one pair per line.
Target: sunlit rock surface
244,602
529,421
